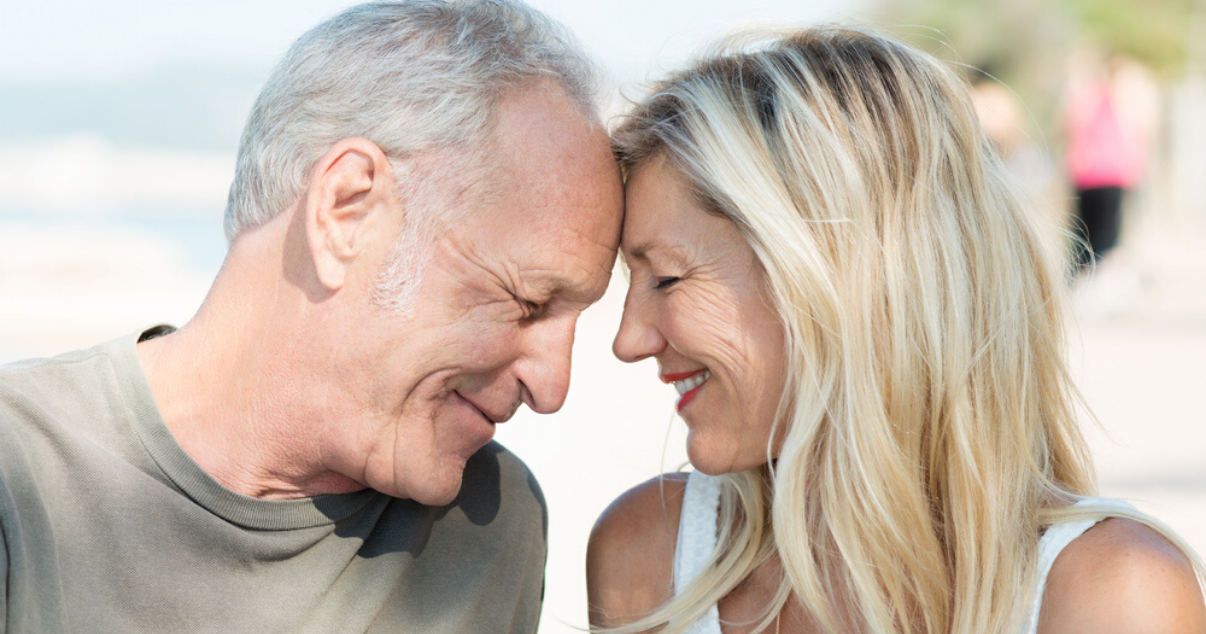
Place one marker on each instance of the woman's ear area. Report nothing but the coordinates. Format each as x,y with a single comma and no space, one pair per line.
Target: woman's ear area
351,188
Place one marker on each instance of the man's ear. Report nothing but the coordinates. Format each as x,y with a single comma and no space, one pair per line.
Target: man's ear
350,183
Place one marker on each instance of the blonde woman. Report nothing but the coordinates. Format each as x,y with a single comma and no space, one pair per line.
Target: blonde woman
865,329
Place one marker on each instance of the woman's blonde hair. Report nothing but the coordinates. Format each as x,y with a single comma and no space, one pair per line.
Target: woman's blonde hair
928,426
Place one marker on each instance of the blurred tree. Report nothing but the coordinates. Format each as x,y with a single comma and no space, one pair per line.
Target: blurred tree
1024,43
1019,42
1155,32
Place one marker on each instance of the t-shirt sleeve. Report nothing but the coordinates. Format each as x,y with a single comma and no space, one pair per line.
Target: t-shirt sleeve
3,543
3,581
6,514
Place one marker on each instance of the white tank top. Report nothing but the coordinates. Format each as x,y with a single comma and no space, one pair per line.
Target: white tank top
697,542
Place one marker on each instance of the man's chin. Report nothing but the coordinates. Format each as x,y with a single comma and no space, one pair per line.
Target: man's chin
440,491
442,498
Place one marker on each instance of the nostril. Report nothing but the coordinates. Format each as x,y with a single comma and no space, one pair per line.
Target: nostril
526,397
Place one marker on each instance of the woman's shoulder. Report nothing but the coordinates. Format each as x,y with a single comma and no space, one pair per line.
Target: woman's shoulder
630,555
1122,576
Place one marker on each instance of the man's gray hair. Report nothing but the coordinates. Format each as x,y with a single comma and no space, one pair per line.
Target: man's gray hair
408,76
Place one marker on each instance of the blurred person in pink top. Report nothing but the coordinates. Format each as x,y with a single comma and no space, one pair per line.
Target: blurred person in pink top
1107,118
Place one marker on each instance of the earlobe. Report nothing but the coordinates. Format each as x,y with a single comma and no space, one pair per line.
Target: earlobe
349,183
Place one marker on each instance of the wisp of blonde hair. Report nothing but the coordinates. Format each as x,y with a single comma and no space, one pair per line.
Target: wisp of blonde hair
928,427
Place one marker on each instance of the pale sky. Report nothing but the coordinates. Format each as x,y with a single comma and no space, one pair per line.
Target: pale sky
69,41
115,109
106,90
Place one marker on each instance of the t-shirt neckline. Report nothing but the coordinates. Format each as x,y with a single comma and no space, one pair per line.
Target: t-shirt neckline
193,481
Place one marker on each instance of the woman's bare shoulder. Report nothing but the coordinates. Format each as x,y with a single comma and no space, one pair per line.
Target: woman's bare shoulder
1122,576
630,556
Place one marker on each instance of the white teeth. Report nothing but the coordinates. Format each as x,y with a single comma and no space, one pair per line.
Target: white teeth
692,382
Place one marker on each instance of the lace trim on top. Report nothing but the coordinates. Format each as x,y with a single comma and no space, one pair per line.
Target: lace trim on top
697,541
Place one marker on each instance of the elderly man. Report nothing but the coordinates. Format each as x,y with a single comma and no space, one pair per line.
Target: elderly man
423,204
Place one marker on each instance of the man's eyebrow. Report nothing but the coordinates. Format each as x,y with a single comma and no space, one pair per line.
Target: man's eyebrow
552,285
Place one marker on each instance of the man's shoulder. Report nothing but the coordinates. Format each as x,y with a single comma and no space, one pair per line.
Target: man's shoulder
29,388
72,412
70,372
33,369
39,391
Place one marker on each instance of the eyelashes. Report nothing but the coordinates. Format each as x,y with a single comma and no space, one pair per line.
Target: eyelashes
530,310
665,282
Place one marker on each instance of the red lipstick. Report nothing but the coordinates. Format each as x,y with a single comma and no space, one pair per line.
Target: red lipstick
689,395
670,377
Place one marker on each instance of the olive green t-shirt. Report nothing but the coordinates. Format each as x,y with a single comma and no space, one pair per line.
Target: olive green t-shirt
107,525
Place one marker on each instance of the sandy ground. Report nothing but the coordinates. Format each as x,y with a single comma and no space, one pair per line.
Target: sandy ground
1137,354
1141,365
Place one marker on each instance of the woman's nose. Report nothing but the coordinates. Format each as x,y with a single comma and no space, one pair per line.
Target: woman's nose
639,336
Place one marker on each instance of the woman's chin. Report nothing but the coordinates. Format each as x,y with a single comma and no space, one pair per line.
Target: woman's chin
707,460
705,468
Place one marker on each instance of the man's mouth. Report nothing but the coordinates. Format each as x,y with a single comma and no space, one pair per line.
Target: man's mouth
494,417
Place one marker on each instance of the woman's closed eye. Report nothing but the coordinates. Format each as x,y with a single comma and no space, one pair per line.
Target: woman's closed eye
665,282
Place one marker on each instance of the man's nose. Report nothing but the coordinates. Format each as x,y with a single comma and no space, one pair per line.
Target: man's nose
544,369
638,337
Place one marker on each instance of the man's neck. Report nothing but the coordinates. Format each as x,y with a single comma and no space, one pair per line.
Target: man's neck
232,389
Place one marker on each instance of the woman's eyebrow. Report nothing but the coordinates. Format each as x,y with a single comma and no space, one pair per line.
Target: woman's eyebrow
665,249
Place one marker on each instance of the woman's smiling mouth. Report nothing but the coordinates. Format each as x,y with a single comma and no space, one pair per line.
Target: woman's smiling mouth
687,384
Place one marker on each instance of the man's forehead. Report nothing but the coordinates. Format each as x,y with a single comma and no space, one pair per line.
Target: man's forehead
551,149
558,206
571,264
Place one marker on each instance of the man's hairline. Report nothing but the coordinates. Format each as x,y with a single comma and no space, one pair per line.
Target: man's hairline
487,161
487,145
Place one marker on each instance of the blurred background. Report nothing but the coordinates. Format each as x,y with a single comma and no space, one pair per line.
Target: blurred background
119,123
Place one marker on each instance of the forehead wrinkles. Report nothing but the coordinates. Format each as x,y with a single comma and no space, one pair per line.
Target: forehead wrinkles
571,244
559,196
568,263
536,263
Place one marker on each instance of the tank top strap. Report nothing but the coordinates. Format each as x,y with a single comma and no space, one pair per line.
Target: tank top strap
697,541
1052,543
